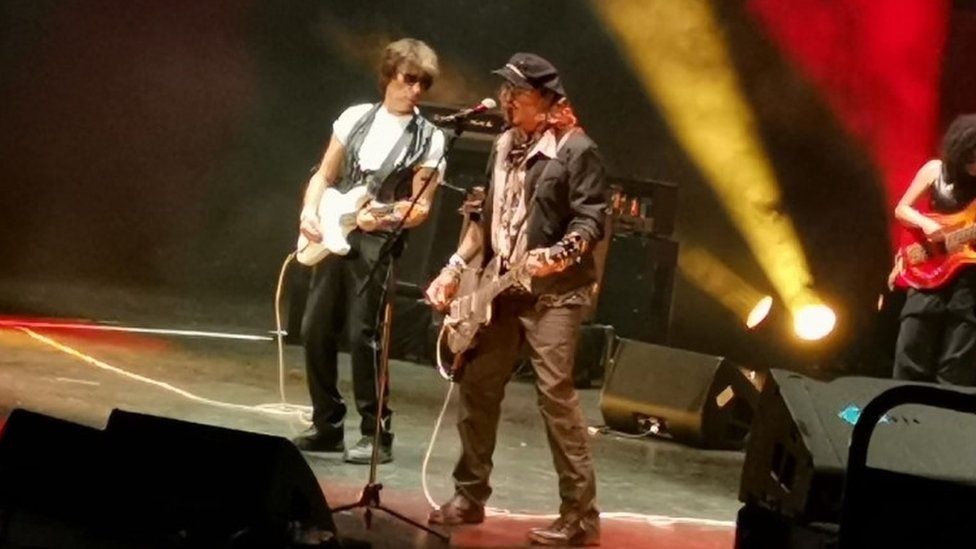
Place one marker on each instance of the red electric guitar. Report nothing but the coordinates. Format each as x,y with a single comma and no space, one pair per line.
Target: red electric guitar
929,265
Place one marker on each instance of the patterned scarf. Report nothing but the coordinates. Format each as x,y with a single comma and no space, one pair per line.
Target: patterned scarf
514,210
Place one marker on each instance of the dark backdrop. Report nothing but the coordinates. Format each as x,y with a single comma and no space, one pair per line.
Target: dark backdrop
165,145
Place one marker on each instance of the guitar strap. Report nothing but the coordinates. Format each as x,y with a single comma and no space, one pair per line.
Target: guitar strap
377,179
384,182
352,173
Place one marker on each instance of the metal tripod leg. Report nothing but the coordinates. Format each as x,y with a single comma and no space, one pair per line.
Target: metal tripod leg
369,499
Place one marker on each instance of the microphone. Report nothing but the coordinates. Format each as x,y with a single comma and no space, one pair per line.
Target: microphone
486,104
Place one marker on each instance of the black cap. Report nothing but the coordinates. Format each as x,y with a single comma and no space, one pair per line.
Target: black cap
529,70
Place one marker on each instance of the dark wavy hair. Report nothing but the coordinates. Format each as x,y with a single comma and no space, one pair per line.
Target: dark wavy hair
959,149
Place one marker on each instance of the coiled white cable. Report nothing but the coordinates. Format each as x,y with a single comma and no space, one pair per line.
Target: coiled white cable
304,413
437,424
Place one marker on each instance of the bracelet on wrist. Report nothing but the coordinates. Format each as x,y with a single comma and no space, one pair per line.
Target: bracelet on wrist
457,261
451,270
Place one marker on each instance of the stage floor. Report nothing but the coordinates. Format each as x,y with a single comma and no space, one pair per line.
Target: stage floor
653,493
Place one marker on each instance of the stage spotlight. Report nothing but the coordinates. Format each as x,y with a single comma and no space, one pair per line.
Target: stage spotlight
814,322
759,312
715,278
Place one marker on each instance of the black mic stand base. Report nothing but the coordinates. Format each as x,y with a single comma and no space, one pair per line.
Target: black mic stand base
370,499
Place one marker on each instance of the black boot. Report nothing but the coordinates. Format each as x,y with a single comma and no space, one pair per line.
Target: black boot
567,531
313,440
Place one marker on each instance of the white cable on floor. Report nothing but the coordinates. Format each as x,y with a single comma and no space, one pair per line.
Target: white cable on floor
283,408
273,409
603,430
430,448
437,425
304,412
278,337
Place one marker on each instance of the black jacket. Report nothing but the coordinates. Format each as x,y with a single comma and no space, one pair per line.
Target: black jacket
565,194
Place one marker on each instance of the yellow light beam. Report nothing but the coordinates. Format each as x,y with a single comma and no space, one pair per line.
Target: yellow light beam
680,55
713,277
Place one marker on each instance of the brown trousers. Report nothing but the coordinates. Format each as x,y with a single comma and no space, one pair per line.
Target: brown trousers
551,335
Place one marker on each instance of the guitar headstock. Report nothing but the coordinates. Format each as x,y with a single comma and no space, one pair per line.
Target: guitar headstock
562,254
570,248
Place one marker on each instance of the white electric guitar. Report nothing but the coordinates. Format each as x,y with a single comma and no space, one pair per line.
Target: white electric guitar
337,218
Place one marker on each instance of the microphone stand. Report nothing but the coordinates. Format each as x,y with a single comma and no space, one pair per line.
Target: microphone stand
369,498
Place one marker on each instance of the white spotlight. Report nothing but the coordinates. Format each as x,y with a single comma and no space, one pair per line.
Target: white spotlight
813,322
759,312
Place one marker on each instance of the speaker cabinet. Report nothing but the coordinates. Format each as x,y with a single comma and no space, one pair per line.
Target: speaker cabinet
697,399
430,244
797,453
51,482
917,491
148,481
637,285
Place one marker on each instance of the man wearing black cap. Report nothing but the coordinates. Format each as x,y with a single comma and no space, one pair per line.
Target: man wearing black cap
546,193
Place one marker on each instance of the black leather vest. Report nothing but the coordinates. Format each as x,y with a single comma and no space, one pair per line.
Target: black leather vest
392,180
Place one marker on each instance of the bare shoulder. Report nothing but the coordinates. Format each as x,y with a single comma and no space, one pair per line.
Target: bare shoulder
930,170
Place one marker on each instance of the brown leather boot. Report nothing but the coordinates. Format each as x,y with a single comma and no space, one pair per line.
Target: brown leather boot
572,532
459,510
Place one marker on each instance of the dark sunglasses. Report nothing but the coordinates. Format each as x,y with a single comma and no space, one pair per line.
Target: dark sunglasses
410,79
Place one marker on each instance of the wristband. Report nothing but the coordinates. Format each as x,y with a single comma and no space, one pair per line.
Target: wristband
457,262
453,271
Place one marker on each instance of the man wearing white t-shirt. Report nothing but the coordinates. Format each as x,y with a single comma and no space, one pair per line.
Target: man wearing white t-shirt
397,154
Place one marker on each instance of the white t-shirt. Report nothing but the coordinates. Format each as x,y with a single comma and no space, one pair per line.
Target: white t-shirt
382,136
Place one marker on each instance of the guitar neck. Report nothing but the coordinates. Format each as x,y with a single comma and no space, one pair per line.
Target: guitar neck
964,235
503,283
510,278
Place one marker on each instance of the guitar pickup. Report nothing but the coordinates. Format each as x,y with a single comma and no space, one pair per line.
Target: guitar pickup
916,254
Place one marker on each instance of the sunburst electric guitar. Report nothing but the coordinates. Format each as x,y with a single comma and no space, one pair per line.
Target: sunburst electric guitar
471,310
929,265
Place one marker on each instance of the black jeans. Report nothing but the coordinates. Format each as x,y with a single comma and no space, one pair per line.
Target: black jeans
937,335
335,310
